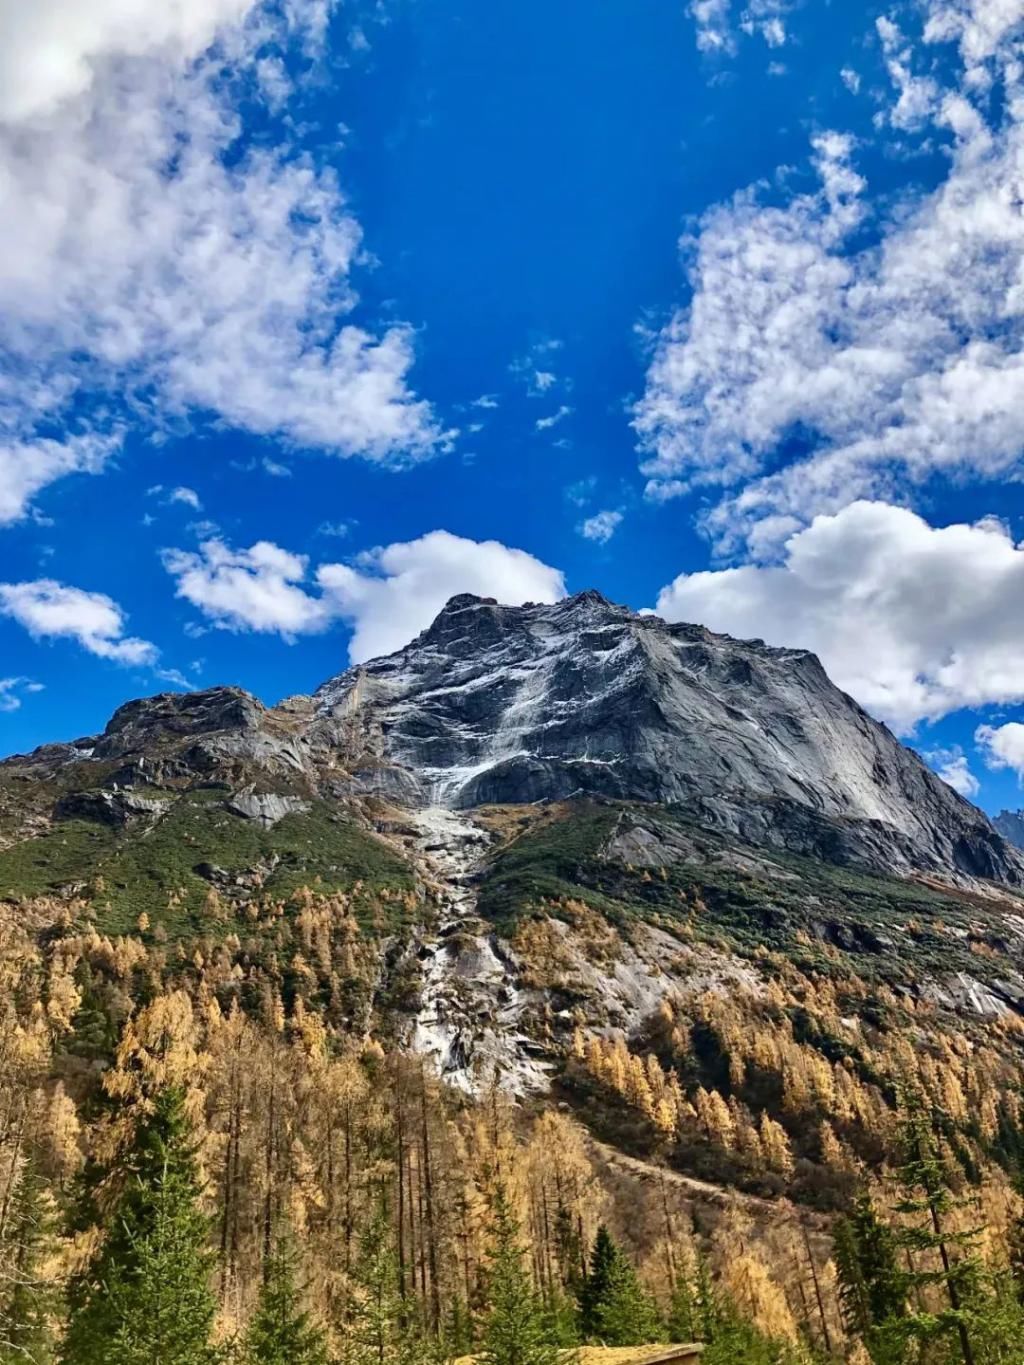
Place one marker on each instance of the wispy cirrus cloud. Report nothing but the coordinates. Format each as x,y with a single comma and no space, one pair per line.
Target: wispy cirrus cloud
13,689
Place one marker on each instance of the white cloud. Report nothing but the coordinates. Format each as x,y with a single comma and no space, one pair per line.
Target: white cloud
600,527
50,610
919,96
534,368
546,423
188,496
26,466
50,49
713,21
717,22
256,589
1002,746
851,79
983,28
398,590
11,690
387,597
952,766
148,252
889,362
914,621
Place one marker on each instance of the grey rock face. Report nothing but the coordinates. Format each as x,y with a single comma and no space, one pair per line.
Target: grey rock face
1010,824
585,698
266,808
105,807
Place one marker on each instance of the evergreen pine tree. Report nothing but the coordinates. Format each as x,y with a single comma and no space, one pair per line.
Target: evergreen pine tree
28,1303
614,1307
701,1313
376,1330
709,1313
146,1295
595,1287
946,1258
683,1321
514,1331
281,1332
872,1287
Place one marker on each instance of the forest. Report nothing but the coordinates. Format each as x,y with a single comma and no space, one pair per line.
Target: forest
210,1151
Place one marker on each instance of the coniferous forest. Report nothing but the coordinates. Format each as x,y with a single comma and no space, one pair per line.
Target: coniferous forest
202,1160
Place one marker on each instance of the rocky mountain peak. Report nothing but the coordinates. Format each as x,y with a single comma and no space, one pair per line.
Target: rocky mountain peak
498,704
1010,824
581,698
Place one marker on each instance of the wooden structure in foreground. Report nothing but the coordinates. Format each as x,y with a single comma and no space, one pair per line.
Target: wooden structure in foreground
680,1354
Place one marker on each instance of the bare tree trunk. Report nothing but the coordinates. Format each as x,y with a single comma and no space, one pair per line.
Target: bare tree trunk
825,1334
268,1201
428,1184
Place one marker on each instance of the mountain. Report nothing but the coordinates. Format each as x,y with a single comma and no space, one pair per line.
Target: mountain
660,917
498,704
1010,824
516,705
516,757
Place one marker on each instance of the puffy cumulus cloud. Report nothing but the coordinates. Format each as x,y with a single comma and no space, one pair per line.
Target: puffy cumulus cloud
914,621
887,362
258,589
49,49
982,28
918,96
49,610
953,767
11,690
150,249
395,592
188,496
600,527
387,596
1002,746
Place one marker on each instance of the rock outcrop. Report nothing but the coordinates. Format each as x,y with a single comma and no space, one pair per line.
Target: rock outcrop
1010,824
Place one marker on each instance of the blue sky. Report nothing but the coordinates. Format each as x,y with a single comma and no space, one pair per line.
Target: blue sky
313,314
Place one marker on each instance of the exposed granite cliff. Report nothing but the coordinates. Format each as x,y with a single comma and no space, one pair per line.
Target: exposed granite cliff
519,704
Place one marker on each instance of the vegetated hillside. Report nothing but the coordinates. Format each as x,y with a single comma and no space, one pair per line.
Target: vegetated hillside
392,1031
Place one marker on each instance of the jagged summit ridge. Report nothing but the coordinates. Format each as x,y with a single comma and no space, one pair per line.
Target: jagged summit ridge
586,698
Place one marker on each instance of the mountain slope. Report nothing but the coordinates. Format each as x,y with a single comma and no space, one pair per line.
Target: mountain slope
519,704
563,848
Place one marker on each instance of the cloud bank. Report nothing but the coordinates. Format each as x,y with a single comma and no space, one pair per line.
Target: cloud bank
914,621
387,596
